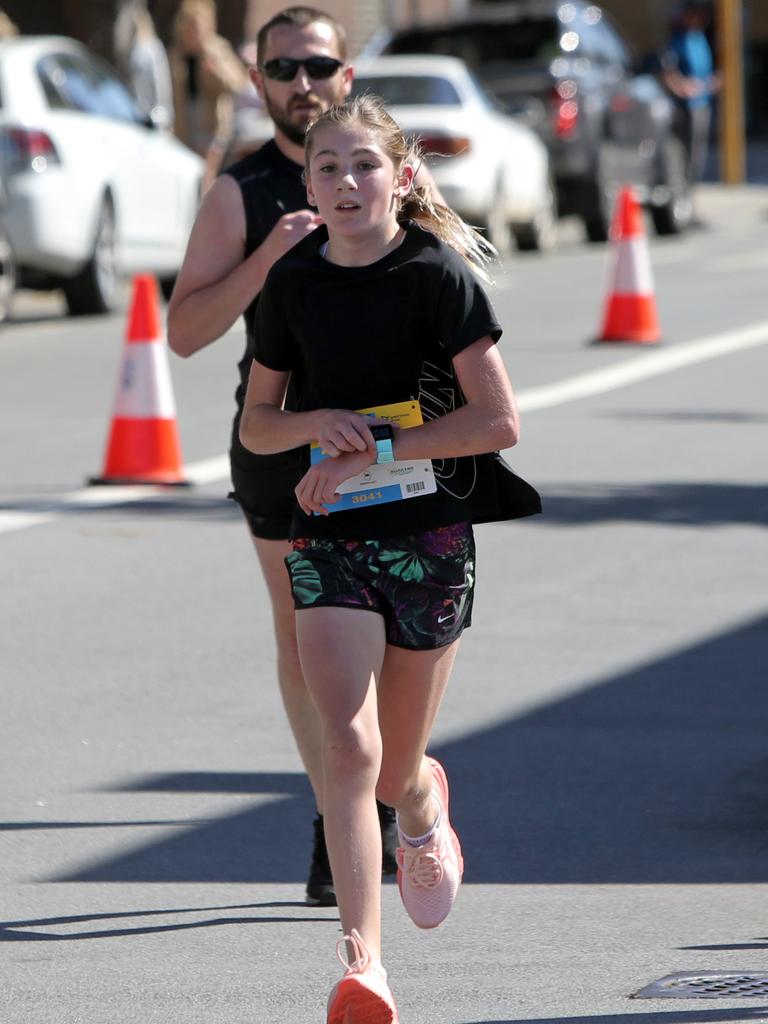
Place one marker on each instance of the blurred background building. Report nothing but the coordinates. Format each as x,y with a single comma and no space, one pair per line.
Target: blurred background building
644,23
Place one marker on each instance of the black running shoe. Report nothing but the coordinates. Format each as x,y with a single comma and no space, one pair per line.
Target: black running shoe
389,839
320,891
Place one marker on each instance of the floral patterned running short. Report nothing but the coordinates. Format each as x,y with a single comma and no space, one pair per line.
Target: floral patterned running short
423,585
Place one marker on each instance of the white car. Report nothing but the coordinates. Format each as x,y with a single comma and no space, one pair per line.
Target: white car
491,169
7,261
94,190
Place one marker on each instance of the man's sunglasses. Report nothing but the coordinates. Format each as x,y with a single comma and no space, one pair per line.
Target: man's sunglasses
283,69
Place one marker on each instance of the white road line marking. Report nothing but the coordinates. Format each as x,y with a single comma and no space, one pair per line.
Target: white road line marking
204,472
208,471
10,521
651,363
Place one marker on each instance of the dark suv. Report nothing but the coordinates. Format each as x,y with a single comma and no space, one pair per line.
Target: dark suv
564,68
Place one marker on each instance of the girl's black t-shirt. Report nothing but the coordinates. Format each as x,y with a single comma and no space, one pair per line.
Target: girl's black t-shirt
356,337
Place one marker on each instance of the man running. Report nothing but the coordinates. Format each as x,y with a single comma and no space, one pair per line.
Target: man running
254,213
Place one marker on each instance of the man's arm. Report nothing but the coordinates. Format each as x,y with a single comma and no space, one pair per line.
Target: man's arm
216,284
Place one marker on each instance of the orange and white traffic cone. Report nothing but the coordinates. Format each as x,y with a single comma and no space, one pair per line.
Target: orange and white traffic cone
143,445
630,310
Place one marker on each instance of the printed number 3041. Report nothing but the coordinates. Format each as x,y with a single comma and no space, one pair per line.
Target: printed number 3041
360,499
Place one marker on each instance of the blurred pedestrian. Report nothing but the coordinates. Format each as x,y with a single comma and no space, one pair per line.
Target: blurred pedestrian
206,74
7,28
143,60
252,126
688,72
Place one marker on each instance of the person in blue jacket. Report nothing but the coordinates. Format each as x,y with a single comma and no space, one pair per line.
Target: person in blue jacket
689,74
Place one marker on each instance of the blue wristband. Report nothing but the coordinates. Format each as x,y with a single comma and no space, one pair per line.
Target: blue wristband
383,435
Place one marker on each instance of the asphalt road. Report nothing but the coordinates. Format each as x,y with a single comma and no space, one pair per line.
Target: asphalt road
604,731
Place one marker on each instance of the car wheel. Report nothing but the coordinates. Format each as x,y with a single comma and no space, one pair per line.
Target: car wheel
7,273
596,205
497,227
671,207
95,288
540,233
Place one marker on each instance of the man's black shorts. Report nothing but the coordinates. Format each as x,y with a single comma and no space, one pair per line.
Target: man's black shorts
264,488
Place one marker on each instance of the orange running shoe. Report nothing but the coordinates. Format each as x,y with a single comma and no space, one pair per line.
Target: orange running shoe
429,876
362,996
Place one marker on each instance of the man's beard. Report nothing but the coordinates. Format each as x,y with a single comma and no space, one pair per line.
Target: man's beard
293,132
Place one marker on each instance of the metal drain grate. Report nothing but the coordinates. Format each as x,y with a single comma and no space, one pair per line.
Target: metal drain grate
708,985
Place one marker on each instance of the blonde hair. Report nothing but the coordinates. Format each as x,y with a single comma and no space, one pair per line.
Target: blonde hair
370,113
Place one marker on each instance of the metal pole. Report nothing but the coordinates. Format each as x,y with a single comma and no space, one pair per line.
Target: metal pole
731,59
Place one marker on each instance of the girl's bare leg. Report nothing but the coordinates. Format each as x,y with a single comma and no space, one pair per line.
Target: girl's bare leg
342,650
411,688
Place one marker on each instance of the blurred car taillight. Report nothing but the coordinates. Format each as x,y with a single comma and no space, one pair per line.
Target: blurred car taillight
566,109
25,149
444,145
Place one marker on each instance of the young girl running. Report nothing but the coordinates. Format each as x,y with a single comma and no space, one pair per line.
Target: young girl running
377,306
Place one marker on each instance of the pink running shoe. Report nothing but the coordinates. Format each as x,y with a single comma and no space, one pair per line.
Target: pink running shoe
429,876
362,996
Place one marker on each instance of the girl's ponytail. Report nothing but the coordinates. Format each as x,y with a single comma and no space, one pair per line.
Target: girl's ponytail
444,222
370,113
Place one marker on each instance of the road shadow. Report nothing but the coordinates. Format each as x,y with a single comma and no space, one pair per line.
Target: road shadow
657,775
685,504
758,943
749,1013
42,929
173,504
669,504
32,319
727,416
244,846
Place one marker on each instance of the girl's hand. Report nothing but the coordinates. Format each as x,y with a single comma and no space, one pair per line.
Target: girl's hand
342,431
318,485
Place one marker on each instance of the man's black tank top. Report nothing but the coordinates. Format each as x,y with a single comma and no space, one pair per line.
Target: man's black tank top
271,185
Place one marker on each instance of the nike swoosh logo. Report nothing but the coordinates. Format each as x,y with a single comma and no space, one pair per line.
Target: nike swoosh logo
444,618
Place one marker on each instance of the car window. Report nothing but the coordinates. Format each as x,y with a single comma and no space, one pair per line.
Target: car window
533,39
74,83
409,90
485,96
53,80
